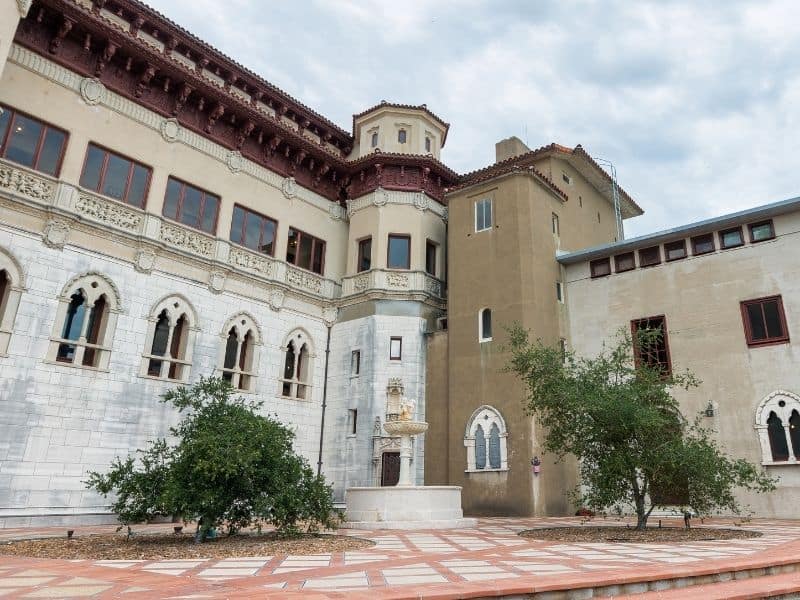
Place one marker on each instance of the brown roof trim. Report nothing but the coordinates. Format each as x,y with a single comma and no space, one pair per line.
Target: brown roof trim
397,158
423,107
507,169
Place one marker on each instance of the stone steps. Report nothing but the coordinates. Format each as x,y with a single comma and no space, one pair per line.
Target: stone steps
786,585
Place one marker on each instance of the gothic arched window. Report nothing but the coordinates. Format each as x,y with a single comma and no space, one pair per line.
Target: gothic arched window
11,286
85,322
778,427
486,454
239,352
170,339
296,375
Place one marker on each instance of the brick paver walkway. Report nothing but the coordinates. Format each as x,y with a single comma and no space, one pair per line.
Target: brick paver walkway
491,558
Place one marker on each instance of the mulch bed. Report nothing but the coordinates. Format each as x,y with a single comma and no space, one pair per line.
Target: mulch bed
173,546
624,534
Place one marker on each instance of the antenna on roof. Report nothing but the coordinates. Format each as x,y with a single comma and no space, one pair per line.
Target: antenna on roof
614,195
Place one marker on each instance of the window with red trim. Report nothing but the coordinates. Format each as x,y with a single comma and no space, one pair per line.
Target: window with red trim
305,251
364,255
113,175
398,252
654,350
31,142
253,230
191,206
764,321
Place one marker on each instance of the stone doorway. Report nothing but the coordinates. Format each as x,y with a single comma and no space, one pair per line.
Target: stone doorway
390,468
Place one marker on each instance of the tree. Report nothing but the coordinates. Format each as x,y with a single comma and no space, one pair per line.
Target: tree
626,429
231,466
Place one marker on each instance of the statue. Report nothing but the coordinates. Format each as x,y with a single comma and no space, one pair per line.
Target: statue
408,407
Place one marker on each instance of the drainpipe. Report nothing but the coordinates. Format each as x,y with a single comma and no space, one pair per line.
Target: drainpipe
324,400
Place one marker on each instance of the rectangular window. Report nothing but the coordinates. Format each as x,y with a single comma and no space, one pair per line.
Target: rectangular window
352,421
430,257
559,291
399,252
731,238
675,250
305,251
650,256
566,178
364,255
600,267
760,232
764,321
624,262
703,244
253,230
653,352
191,206
483,214
31,142
355,362
115,176
554,222
396,348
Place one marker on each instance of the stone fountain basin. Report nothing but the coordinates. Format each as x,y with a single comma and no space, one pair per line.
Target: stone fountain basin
406,507
405,427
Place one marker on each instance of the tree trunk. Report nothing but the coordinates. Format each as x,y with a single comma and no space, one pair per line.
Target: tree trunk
641,513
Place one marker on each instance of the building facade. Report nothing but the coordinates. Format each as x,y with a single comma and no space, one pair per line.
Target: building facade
166,214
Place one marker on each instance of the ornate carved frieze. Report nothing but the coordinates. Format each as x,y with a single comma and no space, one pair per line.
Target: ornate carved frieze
397,280
186,239
24,183
109,212
361,283
250,261
56,233
304,280
433,287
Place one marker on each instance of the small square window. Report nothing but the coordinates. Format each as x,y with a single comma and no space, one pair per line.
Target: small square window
760,232
483,214
556,229
731,238
624,262
396,348
649,257
764,321
675,250
355,362
566,178
600,267
703,244
559,291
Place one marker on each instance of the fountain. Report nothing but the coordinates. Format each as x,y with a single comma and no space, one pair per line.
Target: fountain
405,506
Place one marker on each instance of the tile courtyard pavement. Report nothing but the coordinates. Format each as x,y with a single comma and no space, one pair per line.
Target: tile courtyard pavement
488,561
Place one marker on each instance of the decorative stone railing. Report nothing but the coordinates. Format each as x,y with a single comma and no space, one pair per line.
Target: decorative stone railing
383,280
67,202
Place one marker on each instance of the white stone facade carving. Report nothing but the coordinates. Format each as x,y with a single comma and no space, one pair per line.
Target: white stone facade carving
216,281
56,233
109,212
289,187
276,299
92,91
22,182
24,6
186,239
783,405
250,261
479,430
234,161
170,130
144,261
302,279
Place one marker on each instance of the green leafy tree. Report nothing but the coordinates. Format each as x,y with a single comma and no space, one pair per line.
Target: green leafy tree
231,466
621,421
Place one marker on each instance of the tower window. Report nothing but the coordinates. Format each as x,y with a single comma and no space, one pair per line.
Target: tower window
374,139
483,214
485,325
401,136
427,144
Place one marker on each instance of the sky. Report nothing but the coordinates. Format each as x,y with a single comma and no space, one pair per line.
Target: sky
696,103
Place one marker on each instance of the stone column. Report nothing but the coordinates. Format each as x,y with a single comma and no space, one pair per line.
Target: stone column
405,461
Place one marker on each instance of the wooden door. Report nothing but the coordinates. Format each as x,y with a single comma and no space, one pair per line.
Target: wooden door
390,468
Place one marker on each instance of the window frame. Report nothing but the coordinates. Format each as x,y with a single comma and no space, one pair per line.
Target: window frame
698,239
491,214
653,260
637,357
593,264
360,253
721,234
560,292
430,245
181,198
748,332
555,225
389,237
674,245
399,356
373,139
751,226
402,133
104,169
314,239
482,337
618,259
261,236
37,155
355,362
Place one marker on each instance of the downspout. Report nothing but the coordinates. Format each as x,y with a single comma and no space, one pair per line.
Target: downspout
324,400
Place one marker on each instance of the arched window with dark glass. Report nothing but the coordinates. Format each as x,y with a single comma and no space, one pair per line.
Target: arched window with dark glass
5,289
245,361
288,369
178,348
73,325
794,433
485,325
239,360
480,448
777,438
231,349
98,315
494,447
159,347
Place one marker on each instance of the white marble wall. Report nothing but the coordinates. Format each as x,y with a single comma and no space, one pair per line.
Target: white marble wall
58,422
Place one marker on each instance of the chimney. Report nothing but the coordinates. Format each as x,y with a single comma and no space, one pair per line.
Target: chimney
509,148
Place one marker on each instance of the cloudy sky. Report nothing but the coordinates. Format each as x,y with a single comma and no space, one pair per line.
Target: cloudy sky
696,103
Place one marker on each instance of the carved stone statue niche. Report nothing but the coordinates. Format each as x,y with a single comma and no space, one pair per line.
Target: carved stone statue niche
394,398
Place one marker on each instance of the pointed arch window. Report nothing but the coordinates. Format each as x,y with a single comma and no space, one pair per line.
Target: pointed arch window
485,439
778,428
485,325
297,366
86,319
170,340
11,288
239,352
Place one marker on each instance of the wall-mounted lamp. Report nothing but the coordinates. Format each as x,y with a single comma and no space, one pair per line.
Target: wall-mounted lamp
710,410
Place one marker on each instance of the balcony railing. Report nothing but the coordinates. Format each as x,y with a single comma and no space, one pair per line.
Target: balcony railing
385,280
